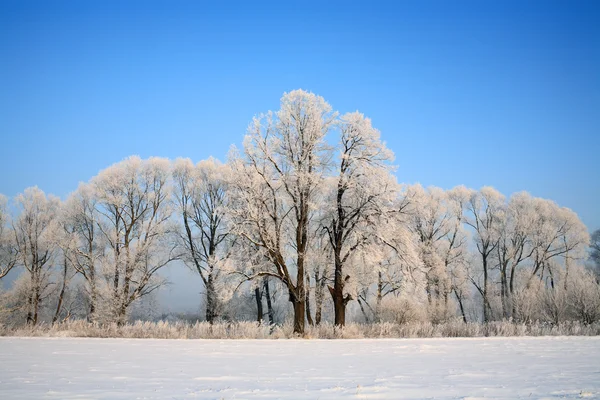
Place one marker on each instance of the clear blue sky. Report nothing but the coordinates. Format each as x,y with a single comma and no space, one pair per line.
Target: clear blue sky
477,93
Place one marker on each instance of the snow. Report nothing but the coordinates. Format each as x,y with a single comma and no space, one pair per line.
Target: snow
490,368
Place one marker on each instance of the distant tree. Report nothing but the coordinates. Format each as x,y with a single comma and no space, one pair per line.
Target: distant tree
86,248
201,199
35,229
558,233
133,199
485,216
514,246
8,249
595,251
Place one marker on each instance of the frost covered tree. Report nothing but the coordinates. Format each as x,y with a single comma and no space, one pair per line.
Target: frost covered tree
514,246
436,218
133,200
8,250
395,265
34,230
558,235
431,222
87,245
201,198
486,213
595,251
276,188
456,251
360,193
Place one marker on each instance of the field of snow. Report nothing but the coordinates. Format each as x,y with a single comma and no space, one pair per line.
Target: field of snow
532,368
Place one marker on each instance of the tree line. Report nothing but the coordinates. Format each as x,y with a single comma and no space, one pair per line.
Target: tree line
309,213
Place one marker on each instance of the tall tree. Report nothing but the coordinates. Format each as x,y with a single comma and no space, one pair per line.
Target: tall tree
361,193
87,245
134,202
486,213
514,246
8,249
595,251
34,230
201,197
276,188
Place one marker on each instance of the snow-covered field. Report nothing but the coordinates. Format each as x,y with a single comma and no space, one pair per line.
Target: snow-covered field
532,368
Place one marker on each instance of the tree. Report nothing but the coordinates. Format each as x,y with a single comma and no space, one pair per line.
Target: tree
595,251
362,192
558,234
86,248
514,246
133,199
8,250
201,197
436,219
486,213
432,222
276,187
34,230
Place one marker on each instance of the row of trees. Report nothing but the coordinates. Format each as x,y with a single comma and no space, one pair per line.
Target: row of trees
310,205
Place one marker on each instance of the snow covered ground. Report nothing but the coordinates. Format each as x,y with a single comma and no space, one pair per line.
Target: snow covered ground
532,368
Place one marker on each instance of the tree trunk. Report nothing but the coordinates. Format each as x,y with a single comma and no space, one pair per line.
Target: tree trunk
269,304
319,296
30,301
485,291
62,293
298,296
122,314
93,301
36,298
364,312
211,301
308,315
299,311
460,305
379,296
511,289
259,305
337,293
503,291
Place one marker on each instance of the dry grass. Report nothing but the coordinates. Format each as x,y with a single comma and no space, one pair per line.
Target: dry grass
252,330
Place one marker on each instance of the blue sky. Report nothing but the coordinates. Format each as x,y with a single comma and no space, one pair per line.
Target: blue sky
479,93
